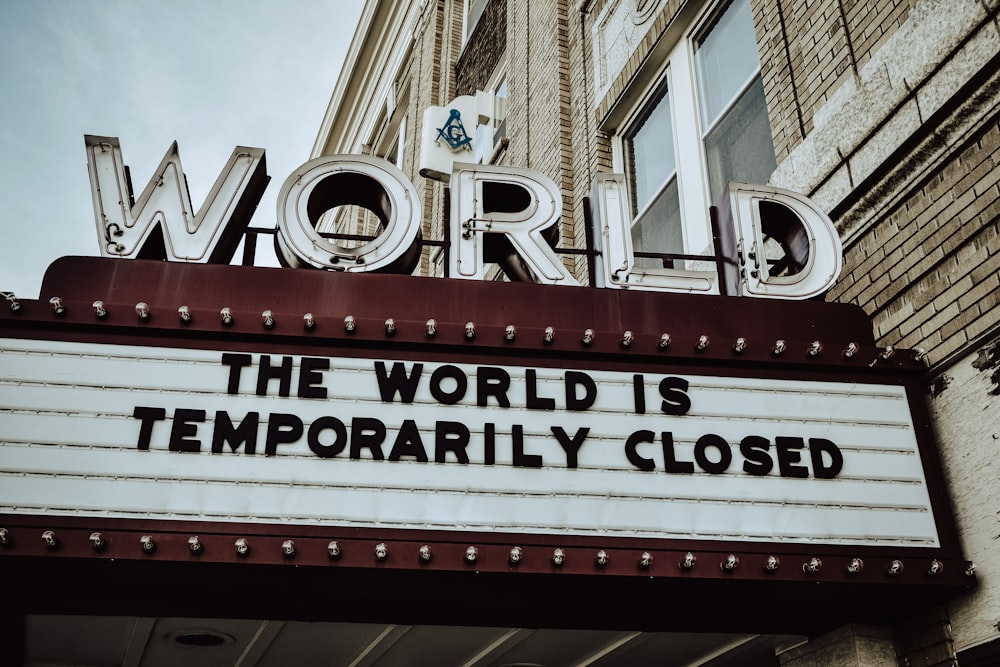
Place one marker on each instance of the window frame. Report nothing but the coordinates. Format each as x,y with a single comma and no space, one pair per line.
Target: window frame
488,144
679,74
468,25
391,129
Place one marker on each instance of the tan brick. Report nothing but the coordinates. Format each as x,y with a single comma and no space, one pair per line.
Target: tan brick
959,325
940,348
935,323
990,266
987,320
932,257
880,292
890,318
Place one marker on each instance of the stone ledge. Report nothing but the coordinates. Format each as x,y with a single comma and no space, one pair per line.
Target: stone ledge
861,125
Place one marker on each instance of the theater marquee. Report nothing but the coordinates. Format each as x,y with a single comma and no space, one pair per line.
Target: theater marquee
690,433
201,434
278,416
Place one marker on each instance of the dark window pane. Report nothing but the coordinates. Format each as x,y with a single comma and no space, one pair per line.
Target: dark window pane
658,228
726,59
740,147
650,152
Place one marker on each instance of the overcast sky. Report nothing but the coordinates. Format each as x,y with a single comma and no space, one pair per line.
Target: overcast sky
211,74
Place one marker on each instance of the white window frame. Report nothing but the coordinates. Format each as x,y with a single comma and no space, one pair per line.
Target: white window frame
467,26
500,79
488,148
391,128
678,70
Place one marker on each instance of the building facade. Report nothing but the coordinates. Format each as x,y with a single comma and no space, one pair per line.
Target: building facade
885,115
645,332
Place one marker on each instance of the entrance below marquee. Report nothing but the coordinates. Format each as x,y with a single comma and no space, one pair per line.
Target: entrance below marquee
169,641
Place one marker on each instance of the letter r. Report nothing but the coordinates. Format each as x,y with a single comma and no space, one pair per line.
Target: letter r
521,205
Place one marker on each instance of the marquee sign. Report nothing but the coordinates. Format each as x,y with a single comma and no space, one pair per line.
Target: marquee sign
184,412
432,445
511,208
530,422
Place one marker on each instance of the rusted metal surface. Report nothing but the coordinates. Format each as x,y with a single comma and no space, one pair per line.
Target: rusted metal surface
78,281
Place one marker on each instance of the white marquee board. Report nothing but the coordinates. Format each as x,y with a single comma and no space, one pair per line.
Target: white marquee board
70,445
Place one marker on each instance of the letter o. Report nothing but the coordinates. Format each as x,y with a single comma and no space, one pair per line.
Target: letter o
339,441
705,463
448,397
342,180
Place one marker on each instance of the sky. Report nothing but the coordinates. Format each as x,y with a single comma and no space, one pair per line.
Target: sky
212,75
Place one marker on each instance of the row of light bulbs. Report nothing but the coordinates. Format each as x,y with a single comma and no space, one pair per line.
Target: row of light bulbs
777,349
730,563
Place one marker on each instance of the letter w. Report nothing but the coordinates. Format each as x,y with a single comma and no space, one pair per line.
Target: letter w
397,381
162,224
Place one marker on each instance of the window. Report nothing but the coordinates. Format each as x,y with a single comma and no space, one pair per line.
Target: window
387,141
500,110
389,132
737,134
489,139
473,12
652,172
395,143
703,123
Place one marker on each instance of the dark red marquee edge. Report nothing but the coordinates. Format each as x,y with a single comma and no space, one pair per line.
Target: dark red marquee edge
535,592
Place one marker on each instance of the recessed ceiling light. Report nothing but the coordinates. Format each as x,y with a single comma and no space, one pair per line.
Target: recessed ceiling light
200,638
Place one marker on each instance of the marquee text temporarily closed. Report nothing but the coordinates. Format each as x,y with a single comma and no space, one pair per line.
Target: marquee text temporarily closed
346,435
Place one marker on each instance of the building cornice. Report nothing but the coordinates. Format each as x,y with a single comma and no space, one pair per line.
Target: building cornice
381,42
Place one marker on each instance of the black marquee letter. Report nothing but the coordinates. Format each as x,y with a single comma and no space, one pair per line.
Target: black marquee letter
148,416
575,379
640,462
673,390
489,443
281,429
820,446
522,460
339,440
236,363
408,443
492,381
397,381
670,462
310,378
282,373
707,464
788,455
461,384
754,449
534,402
225,432
185,425
451,437
362,439
639,391
570,445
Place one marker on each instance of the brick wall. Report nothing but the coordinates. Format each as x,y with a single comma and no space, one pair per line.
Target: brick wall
925,639
540,98
483,51
809,49
927,272
425,81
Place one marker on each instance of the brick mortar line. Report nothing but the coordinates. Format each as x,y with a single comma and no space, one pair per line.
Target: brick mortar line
892,113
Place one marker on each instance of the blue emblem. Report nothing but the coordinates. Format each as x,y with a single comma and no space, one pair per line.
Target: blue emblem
454,133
